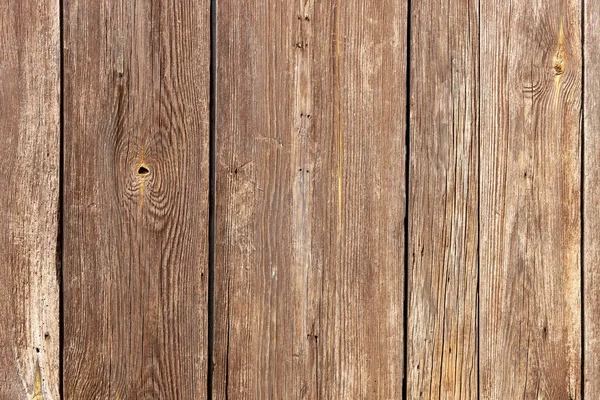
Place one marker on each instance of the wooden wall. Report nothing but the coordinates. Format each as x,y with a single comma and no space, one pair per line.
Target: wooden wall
299,199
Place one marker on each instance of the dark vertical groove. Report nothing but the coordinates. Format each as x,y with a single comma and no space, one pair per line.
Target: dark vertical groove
61,181
581,200
211,196
406,204
478,297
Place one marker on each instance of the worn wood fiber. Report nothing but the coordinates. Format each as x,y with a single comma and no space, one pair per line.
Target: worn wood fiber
530,314
136,199
310,132
29,178
443,201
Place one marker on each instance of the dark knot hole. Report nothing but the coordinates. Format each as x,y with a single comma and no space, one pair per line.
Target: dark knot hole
143,171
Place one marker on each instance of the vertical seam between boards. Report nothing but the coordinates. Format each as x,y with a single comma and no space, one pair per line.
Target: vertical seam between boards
581,202
211,198
60,234
406,202
477,291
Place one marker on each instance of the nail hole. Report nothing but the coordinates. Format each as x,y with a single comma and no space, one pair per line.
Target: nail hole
37,349
143,171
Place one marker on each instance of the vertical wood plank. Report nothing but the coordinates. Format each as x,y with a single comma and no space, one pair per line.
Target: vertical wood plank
310,199
591,207
360,92
443,201
530,199
136,198
29,161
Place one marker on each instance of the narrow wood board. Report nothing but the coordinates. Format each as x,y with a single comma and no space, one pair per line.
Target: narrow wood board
29,178
530,315
136,199
443,201
310,130
591,194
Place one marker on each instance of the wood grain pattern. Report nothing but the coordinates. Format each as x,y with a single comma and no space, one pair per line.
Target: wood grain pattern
530,312
310,205
443,201
136,199
591,194
310,199
29,178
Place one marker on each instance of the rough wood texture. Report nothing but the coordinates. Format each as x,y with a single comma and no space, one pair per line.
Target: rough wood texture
310,199
591,194
136,193
310,207
29,178
443,201
530,333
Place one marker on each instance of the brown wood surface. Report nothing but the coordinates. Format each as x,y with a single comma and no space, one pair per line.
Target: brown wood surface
591,205
136,199
29,199
311,206
443,201
530,308
309,199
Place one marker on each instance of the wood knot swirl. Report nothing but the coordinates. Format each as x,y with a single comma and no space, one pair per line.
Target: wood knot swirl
559,63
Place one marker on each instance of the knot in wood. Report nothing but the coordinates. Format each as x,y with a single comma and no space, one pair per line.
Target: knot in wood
558,64
143,171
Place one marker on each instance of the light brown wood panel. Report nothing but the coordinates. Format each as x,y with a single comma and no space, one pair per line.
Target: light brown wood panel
443,201
530,315
136,198
29,216
310,137
591,194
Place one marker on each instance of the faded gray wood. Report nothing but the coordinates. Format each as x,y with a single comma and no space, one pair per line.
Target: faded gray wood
310,156
136,199
591,194
29,178
443,201
530,310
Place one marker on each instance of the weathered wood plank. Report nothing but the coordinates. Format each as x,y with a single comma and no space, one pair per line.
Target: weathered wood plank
136,193
310,199
443,201
29,178
530,334
591,194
